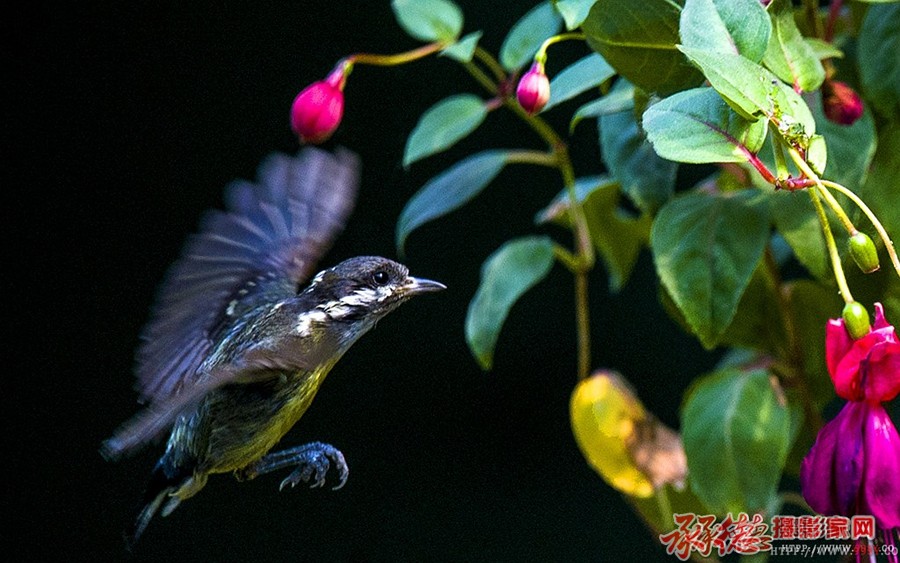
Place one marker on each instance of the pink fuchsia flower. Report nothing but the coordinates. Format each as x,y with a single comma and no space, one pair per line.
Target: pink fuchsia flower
868,368
318,109
533,91
854,466
840,102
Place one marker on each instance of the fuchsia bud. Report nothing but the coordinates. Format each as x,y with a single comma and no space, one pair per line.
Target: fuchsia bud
533,91
317,110
841,103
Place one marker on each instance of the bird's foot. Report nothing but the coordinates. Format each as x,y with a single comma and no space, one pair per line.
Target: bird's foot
313,461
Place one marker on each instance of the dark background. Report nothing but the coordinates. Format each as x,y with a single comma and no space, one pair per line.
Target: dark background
126,121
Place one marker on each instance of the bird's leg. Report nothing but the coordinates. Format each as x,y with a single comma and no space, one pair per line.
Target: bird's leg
312,460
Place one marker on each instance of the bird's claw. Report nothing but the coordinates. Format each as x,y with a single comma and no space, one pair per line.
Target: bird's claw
313,465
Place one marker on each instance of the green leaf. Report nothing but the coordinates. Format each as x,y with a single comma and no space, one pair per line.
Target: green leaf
443,124
584,74
737,435
618,236
752,90
574,11
732,26
505,276
812,305
619,99
788,55
705,247
638,39
449,191
796,220
823,49
429,20
646,178
698,126
463,49
881,192
526,36
879,64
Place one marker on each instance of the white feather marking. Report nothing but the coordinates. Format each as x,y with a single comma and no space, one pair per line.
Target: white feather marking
305,320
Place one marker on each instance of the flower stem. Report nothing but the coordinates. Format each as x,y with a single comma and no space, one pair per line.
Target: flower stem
531,157
481,77
397,58
541,55
832,247
491,63
875,222
829,199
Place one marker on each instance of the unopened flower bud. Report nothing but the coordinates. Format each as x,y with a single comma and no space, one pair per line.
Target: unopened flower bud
840,102
863,251
533,91
317,110
856,319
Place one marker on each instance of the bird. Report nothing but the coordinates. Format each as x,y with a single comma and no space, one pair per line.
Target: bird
241,337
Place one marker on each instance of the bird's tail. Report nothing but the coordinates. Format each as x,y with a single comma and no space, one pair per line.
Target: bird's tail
165,481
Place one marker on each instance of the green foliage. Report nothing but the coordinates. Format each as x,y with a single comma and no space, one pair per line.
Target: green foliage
698,126
853,146
705,248
464,49
879,62
443,124
505,276
646,178
788,55
573,12
640,43
448,191
740,27
737,433
796,220
580,76
619,99
429,20
526,36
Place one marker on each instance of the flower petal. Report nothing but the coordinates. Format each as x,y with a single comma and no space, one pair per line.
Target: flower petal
837,343
880,493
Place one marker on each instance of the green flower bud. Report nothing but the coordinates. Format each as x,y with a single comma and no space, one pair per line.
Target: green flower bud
856,319
863,251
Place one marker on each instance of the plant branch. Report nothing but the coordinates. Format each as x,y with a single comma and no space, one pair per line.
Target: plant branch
875,222
398,58
832,247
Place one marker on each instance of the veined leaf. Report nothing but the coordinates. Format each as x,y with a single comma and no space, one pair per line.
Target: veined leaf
617,100
429,20
638,39
731,26
574,11
705,248
463,49
698,126
526,36
646,178
580,76
752,90
737,434
449,190
443,124
788,55
505,276
879,65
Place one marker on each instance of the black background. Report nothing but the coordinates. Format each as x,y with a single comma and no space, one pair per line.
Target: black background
126,121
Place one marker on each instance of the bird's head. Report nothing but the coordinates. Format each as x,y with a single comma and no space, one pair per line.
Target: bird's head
366,288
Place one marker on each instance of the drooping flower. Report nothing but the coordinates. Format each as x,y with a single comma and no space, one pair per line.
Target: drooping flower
867,368
533,91
841,103
854,466
318,109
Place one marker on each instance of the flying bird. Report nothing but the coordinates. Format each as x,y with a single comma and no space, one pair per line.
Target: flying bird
241,336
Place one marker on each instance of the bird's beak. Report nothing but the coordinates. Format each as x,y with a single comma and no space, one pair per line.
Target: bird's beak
415,286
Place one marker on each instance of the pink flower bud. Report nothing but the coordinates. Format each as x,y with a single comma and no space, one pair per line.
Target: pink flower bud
317,110
841,103
533,91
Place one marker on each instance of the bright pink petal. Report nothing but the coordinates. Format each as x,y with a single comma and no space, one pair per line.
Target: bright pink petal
880,372
837,343
880,321
880,486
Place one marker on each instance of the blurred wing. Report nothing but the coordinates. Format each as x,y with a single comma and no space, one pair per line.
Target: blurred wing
266,243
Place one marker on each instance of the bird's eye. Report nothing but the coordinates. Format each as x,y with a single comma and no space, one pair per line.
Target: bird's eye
381,277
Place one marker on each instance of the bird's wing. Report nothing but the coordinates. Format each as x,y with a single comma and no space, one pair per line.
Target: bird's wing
267,242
